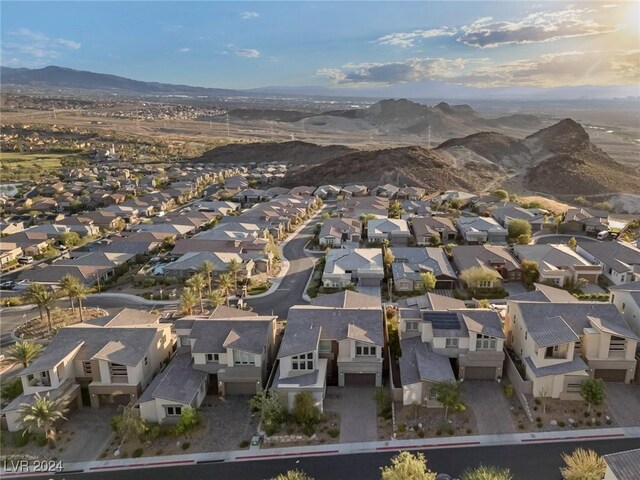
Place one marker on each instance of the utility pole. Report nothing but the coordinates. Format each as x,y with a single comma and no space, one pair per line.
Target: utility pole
228,127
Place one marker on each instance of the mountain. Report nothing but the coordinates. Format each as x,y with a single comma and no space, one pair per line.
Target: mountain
59,77
415,166
285,152
559,160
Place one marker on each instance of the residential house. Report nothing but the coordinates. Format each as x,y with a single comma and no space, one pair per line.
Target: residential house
329,346
386,191
585,220
424,228
111,363
623,465
561,344
7,228
9,254
415,208
533,216
190,263
626,298
357,207
393,229
409,263
477,230
336,231
494,259
302,191
327,191
620,261
31,242
410,193
558,264
473,337
355,191
363,266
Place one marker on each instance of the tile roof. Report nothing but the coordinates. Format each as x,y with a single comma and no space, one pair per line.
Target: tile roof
178,382
624,465
347,299
419,363
576,365
250,334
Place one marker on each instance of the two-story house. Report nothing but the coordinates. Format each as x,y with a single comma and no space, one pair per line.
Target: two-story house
561,344
626,298
105,361
620,261
430,339
329,346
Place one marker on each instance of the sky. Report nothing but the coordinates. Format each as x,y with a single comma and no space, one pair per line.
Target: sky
359,46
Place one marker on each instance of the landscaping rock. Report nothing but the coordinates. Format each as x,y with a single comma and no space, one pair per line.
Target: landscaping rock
553,423
572,421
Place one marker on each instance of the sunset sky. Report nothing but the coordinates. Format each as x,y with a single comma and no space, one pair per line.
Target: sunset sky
347,45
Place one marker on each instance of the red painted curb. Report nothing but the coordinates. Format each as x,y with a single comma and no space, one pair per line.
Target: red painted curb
135,465
278,455
575,437
434,445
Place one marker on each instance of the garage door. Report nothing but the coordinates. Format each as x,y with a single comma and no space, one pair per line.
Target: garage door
122,399
360,379
370,282
480,373
610,375
240,388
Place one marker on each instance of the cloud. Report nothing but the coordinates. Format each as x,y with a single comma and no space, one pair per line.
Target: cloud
184,50
247,52
609,5
411,70
33,48
598,68
249,15
534,28
408,39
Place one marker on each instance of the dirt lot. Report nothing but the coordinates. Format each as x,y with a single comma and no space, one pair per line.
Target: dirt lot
567,415
38,329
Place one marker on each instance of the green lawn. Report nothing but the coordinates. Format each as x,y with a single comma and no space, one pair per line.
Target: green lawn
44,160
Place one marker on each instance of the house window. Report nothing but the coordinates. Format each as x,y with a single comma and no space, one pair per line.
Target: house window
623,306
325,346
617,344
525,335
484,342
303,361
87,367
411,326
363,350
243,358
432,394
451,343
118,370
146,361
173,411
573,387
213,357
485,284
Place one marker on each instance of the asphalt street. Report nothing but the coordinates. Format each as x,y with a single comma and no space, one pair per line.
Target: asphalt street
526,462
293,284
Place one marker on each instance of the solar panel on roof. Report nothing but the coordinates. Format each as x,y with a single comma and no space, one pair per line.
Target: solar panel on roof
442,320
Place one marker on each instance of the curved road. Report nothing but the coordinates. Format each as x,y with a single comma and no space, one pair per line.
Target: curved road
290,290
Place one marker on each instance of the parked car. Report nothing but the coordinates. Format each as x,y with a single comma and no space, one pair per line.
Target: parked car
602,235
25,260
8,285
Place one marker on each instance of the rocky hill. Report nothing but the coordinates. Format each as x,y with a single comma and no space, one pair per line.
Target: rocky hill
415,166
500,149
285,152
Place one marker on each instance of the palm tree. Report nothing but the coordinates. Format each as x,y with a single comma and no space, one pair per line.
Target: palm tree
42,415
225,283
80,294
24,352
198,284
207,269
188,301
69,285
216,298
44,298
233,268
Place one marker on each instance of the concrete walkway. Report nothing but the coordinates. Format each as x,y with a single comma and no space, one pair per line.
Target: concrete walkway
348,448
357,409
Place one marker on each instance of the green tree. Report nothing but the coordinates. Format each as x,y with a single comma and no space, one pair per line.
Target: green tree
428,280
530,272
41,416
293,475
306,413
272,408
69,285
129,425
448,394
478,277
395,209
69,239
188,421
365,218
225,282
484,303
216,298
501,195
207,269
24,352
572,243
523,239
407,466
435,241
325,216
188,300
456,204
592,392
44,298
388,257
519,227
233,268
484,472
198,283
583,465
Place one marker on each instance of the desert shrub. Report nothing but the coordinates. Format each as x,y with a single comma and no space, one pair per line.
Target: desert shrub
185,445
420,433
334,432
20,439
402,427
561,424
137,453
508,390
244,444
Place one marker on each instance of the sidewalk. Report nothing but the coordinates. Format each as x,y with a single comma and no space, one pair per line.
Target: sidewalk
347,448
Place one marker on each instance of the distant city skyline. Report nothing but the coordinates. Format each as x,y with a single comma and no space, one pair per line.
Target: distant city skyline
411,48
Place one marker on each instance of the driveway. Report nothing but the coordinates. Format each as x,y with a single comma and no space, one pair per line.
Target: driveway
489,406
86,434
227,422
623,401
357,409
